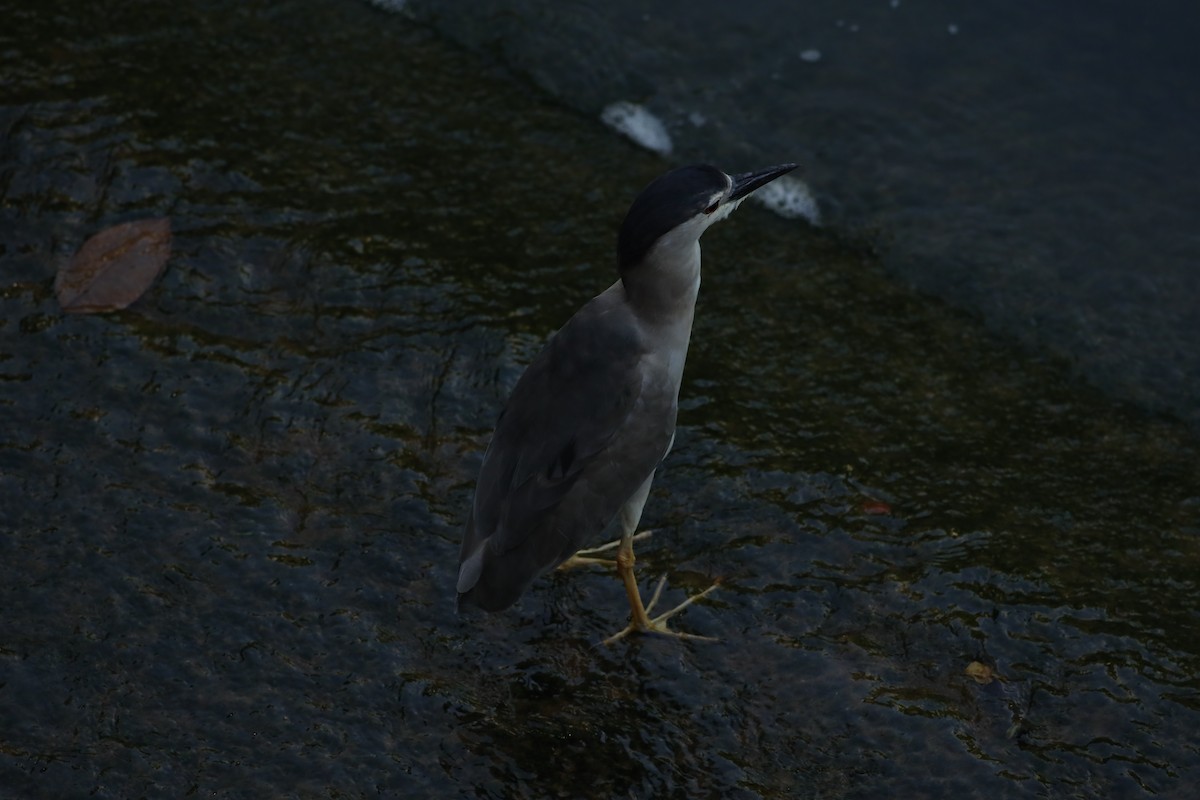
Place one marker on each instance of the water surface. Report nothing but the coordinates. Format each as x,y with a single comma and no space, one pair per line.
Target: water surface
1031,164
229,516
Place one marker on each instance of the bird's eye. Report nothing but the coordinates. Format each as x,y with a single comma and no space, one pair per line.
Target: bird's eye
713,207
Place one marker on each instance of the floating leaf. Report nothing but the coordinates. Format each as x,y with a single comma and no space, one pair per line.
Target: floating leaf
875,507
980,673
114,267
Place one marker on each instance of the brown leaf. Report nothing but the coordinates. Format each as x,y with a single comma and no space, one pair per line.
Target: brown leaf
114,267
981,673
875,507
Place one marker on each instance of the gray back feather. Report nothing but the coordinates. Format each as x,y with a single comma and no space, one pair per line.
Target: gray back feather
567,452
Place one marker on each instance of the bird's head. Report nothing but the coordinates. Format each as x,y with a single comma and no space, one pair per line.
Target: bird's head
682,204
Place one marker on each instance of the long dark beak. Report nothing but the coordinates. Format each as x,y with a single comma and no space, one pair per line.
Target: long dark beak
747,182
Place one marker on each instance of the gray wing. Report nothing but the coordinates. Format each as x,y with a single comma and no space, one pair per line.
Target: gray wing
558,467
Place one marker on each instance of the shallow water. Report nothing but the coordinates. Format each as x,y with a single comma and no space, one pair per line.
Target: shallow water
1032,164
230,515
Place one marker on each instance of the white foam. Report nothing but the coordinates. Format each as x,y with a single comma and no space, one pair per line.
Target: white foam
789,197
391,5
639,125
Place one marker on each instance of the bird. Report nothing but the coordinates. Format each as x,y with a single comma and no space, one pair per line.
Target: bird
588,423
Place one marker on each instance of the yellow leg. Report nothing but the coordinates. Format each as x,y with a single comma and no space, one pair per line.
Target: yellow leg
639,616
585,558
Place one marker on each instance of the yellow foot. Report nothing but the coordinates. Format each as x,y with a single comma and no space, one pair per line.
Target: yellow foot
585,558
643,623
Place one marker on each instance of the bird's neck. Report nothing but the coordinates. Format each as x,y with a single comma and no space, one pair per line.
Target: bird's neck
662,290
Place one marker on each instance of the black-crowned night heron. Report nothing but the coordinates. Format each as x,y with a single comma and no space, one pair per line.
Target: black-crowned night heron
592,417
